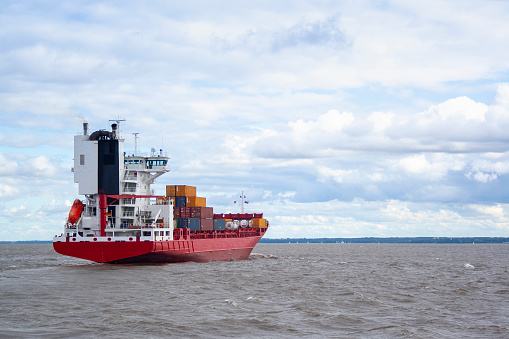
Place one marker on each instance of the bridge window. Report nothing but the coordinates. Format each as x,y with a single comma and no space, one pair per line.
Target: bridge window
151,163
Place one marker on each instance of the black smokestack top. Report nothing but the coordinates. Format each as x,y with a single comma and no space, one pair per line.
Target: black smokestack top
114,131
85,128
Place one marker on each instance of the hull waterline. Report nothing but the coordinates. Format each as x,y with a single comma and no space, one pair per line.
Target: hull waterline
197,250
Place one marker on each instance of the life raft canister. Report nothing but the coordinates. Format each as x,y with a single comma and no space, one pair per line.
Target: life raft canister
76,210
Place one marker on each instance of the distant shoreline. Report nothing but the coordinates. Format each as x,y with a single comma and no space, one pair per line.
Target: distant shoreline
394,240
366,240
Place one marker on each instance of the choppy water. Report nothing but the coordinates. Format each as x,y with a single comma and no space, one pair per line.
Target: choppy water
282,291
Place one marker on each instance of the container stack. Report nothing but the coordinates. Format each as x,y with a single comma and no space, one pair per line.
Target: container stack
190,211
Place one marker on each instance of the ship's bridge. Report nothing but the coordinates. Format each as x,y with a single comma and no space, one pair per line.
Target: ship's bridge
155,164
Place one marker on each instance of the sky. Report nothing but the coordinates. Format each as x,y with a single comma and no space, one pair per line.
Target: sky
335,118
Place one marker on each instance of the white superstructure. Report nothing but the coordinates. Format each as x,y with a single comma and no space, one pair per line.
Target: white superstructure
119,203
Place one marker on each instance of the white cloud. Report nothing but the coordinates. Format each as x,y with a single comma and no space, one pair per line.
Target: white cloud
7,191
496,211
435,169
482,176
325,174
17,211
40,166
7,166
381,120
461,108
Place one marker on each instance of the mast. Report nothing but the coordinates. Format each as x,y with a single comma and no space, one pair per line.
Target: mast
136,143
242,205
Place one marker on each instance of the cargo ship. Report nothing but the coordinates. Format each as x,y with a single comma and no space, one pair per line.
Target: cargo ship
121,220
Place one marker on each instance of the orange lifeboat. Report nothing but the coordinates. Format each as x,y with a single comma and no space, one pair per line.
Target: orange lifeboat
76,210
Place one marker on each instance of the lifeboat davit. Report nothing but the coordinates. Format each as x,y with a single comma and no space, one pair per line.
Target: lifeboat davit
76,210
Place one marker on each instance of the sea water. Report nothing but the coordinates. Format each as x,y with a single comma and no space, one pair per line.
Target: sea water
281,291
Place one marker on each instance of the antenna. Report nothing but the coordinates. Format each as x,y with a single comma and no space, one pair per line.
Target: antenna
136,143
117,120
162,138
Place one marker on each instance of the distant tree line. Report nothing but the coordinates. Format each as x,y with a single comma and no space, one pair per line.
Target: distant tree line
396,240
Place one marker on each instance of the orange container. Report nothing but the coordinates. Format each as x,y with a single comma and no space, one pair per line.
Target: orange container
170,191
185,191
259,223
196,202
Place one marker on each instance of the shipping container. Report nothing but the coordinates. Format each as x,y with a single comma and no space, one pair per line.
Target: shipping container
196,201
182,212
170,190
185,191
207,224
258,215
227,215
180,201
249,216
202,212
180,191
192,223
219,216
234,215
259,223
219,224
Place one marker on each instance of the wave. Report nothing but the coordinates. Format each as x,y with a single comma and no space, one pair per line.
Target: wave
253,256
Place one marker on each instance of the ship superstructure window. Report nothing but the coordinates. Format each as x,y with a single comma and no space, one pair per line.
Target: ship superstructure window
151,163
131,161
82,159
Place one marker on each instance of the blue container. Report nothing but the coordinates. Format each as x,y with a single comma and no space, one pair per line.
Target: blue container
219,224
192,223
180,201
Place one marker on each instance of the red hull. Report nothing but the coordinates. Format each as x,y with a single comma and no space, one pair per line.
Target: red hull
198,250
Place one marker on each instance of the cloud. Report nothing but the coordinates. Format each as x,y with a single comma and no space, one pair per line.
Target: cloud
496,211
326,32
440,165
325,174
16,211
458,109
7,166
455,126
40,166
357,218
7,191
